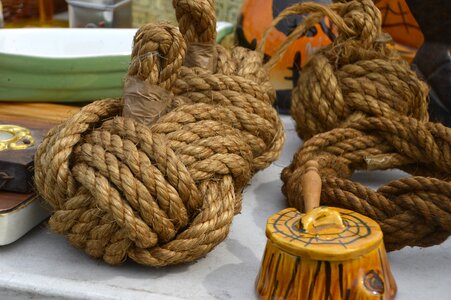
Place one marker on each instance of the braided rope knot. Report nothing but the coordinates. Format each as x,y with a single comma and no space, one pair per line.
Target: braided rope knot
161,190
356,76
357,106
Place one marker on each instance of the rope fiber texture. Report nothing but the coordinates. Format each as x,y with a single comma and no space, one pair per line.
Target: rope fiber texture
358,106
165,193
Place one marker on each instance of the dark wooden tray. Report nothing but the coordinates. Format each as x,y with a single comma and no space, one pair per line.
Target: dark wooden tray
16,166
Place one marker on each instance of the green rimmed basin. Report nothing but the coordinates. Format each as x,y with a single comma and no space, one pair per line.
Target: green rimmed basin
66,65
61,79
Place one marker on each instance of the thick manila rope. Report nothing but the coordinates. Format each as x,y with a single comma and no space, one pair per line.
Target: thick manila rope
166,192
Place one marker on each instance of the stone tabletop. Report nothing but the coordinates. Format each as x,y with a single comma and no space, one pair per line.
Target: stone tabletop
43,265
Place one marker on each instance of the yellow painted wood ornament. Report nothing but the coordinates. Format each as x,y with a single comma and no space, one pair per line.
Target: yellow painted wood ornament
326,253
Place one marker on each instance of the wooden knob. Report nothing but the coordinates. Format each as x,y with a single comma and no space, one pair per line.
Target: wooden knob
311,185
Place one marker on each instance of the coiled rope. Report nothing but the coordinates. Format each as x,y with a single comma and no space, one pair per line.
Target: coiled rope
358,106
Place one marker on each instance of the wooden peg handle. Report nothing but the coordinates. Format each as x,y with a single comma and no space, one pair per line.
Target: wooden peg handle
311,185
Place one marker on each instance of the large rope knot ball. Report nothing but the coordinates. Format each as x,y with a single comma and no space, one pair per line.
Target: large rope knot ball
161,186
356,76
358,106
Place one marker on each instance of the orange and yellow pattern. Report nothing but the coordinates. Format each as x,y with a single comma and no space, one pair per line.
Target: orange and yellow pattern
348,264
398,21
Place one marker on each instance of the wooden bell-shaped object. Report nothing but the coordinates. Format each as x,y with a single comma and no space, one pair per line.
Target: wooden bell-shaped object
326,253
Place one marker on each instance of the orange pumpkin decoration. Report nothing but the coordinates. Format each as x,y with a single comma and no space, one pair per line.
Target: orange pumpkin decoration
257,15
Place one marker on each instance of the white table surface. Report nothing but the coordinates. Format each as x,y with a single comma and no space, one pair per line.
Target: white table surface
43,265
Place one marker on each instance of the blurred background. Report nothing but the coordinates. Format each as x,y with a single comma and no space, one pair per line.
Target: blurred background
132,13
245,23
